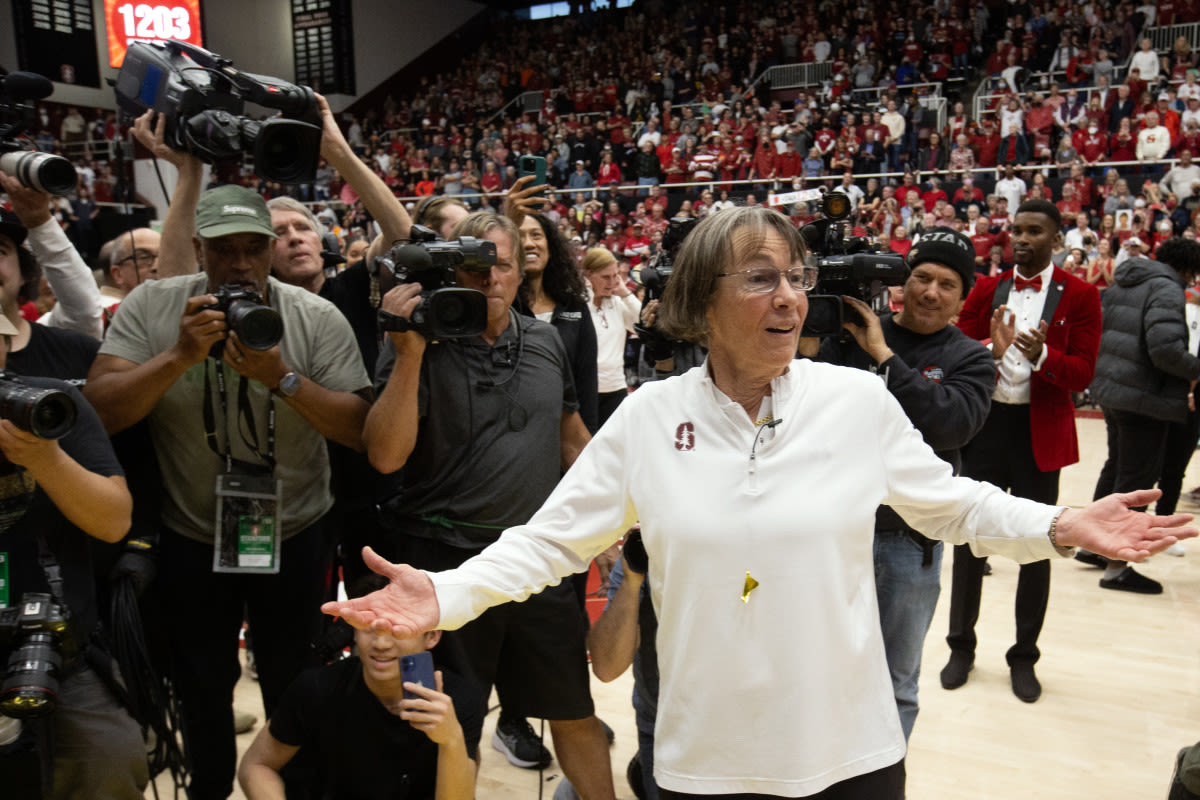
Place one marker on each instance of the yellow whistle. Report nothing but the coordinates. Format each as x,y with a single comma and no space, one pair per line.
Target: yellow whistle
749,586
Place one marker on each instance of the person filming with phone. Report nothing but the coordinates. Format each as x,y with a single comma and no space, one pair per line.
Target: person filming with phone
755,479
370,727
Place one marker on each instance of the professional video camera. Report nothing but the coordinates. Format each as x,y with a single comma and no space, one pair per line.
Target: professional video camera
854,268
445,312
203,98
41,171
46,413
655,275
258,326
39,631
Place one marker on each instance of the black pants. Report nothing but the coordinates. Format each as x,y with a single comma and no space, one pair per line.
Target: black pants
204,612
609,402
882,784
1136,444
1181,444
1002,454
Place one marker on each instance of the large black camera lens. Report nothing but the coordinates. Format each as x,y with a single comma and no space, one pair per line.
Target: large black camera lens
41,171
456,313
46,413
258,327
285,150
30,687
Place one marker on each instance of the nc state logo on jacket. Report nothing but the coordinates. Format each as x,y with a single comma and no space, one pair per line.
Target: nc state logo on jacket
685,437
934,374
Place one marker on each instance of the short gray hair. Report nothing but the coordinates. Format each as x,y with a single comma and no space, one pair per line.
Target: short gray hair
709,251
480,223
292,204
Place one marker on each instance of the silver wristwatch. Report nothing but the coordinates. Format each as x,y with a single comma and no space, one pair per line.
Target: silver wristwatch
289,384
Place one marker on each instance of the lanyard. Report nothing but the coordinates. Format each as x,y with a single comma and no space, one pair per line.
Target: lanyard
244,412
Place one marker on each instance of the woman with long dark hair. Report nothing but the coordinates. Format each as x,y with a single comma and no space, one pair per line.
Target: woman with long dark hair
553,291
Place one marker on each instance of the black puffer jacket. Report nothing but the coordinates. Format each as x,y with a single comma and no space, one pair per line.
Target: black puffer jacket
1144,364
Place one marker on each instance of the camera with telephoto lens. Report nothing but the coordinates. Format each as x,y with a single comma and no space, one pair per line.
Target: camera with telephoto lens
38,631
46,413
258,326
851,267
203,99
445,311
41,171
654,275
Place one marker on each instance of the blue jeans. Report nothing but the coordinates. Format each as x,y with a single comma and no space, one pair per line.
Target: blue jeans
907,593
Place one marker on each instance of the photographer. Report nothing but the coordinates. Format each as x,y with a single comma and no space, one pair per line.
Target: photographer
170,344
943,380
57,493
36,349
482,428
79,305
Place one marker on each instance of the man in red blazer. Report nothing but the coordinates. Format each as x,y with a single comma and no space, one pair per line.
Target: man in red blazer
1045,330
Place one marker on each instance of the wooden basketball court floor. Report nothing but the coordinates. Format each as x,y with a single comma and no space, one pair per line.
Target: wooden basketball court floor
1120,675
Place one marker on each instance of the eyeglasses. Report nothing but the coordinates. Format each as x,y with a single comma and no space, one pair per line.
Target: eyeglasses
764,280
140,258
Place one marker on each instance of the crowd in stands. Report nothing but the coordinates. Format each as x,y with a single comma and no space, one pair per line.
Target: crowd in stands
689,106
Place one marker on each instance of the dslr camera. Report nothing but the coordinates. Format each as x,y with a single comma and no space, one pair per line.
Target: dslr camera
851,267
258,326
39,632
46,413
203,99
655,275
41,171
445,311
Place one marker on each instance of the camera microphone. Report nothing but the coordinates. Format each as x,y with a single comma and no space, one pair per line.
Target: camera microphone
503,357
27,85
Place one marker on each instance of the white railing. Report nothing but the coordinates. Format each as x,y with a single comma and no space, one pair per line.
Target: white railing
1162,39
786,184
984,97
796,76
528,102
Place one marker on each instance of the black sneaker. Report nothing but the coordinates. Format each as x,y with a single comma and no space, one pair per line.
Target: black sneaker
1129,581
954,674
1025,684
520,745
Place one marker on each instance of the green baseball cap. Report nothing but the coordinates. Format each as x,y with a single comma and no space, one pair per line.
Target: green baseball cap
232,209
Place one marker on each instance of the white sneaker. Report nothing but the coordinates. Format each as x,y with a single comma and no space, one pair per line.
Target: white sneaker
1176,549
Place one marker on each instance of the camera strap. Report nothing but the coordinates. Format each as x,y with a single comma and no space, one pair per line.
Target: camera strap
244,412
51,569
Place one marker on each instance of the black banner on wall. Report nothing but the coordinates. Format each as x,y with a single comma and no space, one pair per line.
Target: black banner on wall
323,44
57,39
